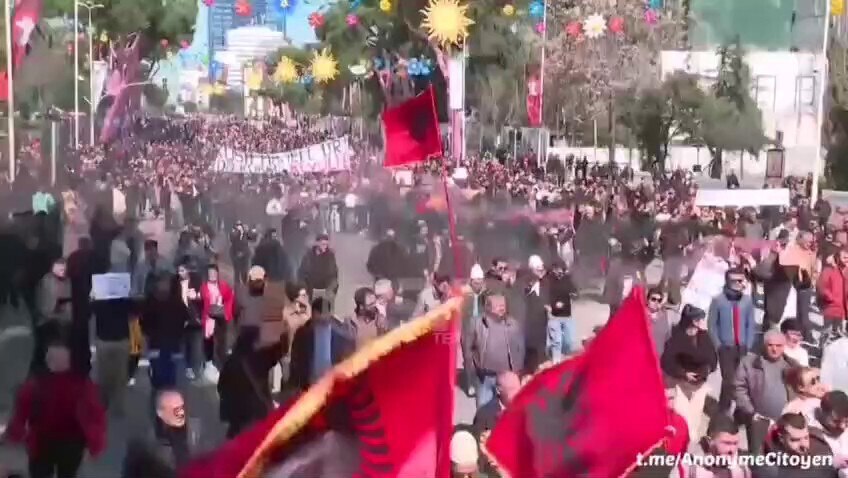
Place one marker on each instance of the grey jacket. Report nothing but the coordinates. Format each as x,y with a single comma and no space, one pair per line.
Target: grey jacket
750,384
475,339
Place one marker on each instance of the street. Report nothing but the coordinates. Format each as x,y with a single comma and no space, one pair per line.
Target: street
202,403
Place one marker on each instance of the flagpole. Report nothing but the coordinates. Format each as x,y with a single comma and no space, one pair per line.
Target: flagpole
10,92
817,159
76,74
539,154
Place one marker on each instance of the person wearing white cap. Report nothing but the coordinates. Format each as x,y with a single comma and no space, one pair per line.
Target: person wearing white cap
536,294
464,454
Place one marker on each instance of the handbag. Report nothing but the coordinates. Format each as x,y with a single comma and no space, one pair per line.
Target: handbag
216,311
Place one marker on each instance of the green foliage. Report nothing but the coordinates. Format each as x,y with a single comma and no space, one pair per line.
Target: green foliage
731,119
659,114
154,19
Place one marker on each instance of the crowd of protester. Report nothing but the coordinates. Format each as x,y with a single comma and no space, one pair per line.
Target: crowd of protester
529,242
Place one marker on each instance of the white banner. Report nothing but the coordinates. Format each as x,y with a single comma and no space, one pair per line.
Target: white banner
742,197
707,282
332,155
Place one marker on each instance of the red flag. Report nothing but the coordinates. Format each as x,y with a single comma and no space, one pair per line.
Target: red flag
393,400
534,100
4,86
27,14
412,130
591,415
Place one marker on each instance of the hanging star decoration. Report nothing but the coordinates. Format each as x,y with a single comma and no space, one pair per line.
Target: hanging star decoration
616,25
574,29
243,8
651,17
316,20
594,26
508,10
285,71
359,69
104,37
282,8
536,9
352,20
324,66
446,21
385,5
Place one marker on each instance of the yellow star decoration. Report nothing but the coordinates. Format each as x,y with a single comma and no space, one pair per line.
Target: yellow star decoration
446,21
324,67
286,71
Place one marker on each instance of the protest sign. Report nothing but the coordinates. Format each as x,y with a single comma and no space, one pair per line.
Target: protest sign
112,285
742,197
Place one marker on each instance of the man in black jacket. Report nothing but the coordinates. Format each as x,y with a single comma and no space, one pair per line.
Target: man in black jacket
162,455
560,324
318,345
319,270
271,256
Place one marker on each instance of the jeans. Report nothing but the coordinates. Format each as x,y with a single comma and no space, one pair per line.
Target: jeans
194,350
560,337
111,361
164,365
59,459
487,390
728,361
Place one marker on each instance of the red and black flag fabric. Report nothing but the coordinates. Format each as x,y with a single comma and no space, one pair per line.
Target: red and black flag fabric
385,412
591,415
412,130
25,18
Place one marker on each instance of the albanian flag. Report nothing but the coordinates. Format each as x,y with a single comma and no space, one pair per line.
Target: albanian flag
591,415
385,412
412,130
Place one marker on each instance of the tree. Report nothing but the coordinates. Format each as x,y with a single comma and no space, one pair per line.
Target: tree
154,20
730,118
657,115
583,75
388,36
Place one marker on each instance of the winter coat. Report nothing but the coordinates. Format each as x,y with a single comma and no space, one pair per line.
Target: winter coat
831,292
58,407
243,385
227,298
319,270
684,353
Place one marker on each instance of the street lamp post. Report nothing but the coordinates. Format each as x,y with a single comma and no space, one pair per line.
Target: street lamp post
10,93
76,74
89,6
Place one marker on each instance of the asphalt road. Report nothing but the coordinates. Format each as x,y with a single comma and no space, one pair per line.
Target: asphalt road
202,408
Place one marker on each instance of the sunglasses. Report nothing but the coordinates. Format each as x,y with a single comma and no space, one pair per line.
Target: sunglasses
736,280
655,299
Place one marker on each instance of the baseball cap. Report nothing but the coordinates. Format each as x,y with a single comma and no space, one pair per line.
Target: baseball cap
256,273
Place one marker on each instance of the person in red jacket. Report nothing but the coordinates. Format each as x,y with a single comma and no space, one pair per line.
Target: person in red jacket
58,415
218,302
831,291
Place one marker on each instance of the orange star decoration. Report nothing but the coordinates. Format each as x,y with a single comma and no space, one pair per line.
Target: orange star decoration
243,8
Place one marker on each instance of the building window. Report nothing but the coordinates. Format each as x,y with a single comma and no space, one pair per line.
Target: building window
805,92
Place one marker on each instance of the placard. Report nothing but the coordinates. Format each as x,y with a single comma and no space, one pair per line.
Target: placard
742,197
112,285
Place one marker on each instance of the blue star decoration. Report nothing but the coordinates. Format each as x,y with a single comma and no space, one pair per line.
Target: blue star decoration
537,9
281,8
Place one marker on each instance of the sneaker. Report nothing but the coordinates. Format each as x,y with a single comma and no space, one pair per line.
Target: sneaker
131,383
190,374
211,373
